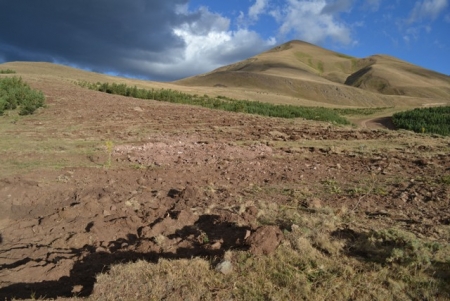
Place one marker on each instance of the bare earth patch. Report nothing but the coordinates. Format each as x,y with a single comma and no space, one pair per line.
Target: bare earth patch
184,182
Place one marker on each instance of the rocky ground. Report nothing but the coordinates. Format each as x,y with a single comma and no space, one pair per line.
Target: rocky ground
101,179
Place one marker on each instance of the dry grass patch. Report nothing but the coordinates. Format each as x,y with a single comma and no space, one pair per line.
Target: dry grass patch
167,280
322,258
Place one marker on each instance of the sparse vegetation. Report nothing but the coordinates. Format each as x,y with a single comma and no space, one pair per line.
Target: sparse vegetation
434,120
109,147
359,111
222,103
320,67
7,71
344,56
320,258
14,93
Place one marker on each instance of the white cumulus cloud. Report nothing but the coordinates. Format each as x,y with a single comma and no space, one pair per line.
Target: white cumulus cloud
257,9
209,44
314,21
427,9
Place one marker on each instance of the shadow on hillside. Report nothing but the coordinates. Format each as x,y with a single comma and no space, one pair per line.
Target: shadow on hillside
385,122
86,268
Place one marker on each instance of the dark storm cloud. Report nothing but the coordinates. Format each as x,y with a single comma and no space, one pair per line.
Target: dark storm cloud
103,35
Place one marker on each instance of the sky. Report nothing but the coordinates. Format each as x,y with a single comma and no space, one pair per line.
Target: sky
165,40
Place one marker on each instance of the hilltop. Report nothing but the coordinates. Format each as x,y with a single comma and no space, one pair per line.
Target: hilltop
306,72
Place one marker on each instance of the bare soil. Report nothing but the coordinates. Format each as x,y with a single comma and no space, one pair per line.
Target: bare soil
182,181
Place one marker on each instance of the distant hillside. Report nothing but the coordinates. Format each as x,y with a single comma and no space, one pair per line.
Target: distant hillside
305,71
295,73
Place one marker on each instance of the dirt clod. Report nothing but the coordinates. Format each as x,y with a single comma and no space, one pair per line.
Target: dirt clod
264,240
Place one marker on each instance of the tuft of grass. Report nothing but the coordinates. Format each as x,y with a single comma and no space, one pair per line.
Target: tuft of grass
445,180
332,186
222,103
167,280
109,147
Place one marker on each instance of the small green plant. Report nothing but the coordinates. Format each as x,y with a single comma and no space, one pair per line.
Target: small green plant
7,71
15,119
109,146
203,238
445,180
332,186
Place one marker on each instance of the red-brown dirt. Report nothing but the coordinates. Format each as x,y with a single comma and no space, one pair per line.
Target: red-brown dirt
185,181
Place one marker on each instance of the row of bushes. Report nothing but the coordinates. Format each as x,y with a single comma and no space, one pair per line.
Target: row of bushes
7,71
14,93
359,111
435,120
221,103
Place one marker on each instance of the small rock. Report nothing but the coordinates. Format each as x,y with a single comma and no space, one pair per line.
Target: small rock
216,246
142,181
225,267
77,289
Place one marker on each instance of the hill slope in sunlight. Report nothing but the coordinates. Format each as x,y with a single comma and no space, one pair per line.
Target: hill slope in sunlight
305,71
296,73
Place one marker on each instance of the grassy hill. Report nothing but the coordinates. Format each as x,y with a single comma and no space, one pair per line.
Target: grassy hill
304,71
295,73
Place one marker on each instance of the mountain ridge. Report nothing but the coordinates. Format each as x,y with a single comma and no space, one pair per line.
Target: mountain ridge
380,76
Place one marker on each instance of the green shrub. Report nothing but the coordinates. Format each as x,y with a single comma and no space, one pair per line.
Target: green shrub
434,120
222,103
14,93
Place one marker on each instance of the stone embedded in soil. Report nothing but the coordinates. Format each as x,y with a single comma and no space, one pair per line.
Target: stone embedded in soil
264,240
225,267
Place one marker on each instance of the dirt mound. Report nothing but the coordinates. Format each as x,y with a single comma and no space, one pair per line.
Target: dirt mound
264,240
